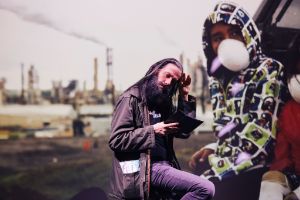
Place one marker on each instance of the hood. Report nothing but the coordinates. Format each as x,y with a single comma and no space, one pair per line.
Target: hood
160,64
232,14
154,69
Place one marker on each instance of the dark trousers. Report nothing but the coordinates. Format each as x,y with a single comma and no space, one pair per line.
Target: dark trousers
166,180
245,186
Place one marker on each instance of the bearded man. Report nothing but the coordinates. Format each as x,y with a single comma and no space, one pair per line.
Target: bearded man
142,143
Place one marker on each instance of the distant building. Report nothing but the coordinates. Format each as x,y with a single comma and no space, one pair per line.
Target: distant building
37,120
57,92
33,91
97,118
2,91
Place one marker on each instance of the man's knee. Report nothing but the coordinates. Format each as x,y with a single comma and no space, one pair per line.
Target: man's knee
207,189
211,189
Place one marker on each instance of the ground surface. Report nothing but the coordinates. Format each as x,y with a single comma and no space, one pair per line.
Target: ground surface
57,169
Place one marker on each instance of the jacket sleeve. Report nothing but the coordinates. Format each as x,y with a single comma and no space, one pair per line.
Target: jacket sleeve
188,108
126,136
256,132
283,150
282,159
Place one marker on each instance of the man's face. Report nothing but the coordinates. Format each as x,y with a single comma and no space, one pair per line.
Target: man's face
160,87
168,75
221,31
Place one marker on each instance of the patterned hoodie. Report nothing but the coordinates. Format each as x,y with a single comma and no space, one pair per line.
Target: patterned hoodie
246,111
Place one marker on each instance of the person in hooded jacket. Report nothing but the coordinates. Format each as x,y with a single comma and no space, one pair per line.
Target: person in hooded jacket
247,92
283,179
144,163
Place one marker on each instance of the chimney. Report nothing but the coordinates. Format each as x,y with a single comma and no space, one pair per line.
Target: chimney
22,98
95,75
109,64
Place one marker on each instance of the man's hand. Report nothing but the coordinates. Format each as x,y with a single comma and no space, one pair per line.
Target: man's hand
199,157
184,86
162,129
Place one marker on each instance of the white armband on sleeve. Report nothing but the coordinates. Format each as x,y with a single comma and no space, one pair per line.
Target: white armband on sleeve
130,166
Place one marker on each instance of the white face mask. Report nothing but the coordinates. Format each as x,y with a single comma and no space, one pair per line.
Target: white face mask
233,54
294,87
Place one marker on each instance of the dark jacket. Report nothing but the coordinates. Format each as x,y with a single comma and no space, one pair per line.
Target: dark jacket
132,138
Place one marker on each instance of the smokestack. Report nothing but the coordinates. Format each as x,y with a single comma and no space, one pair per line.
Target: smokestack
181,58
31,81
22,84
31,78
84,86
95,75
2,91
109,63
85,93
110,88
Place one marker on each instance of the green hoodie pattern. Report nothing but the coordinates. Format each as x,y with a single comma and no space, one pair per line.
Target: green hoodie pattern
246,111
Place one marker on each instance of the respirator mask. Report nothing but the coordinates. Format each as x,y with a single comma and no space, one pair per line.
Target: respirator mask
294,87
233,55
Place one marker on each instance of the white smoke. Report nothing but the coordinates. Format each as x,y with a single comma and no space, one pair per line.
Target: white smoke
166,38
43,20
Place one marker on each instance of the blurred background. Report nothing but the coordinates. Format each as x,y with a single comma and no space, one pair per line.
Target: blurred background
63,64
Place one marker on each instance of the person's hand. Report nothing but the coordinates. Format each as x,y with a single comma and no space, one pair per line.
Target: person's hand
199,157
184,86
162,129
291,196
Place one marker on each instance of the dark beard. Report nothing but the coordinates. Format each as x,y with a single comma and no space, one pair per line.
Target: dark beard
158,99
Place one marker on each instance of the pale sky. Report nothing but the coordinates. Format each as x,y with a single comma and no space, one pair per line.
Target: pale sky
61,38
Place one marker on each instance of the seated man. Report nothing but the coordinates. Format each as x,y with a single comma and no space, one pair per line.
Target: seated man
144,162
246,94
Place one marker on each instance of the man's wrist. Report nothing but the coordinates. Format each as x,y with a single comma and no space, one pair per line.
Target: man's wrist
186,97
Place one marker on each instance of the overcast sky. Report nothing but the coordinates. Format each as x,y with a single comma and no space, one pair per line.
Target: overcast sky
61,38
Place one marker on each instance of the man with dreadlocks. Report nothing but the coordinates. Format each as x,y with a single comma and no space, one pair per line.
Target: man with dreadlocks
144,162
247,92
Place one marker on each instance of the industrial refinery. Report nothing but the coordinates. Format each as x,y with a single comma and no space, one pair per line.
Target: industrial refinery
66,110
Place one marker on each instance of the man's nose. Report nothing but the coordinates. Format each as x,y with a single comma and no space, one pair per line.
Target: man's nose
168,81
